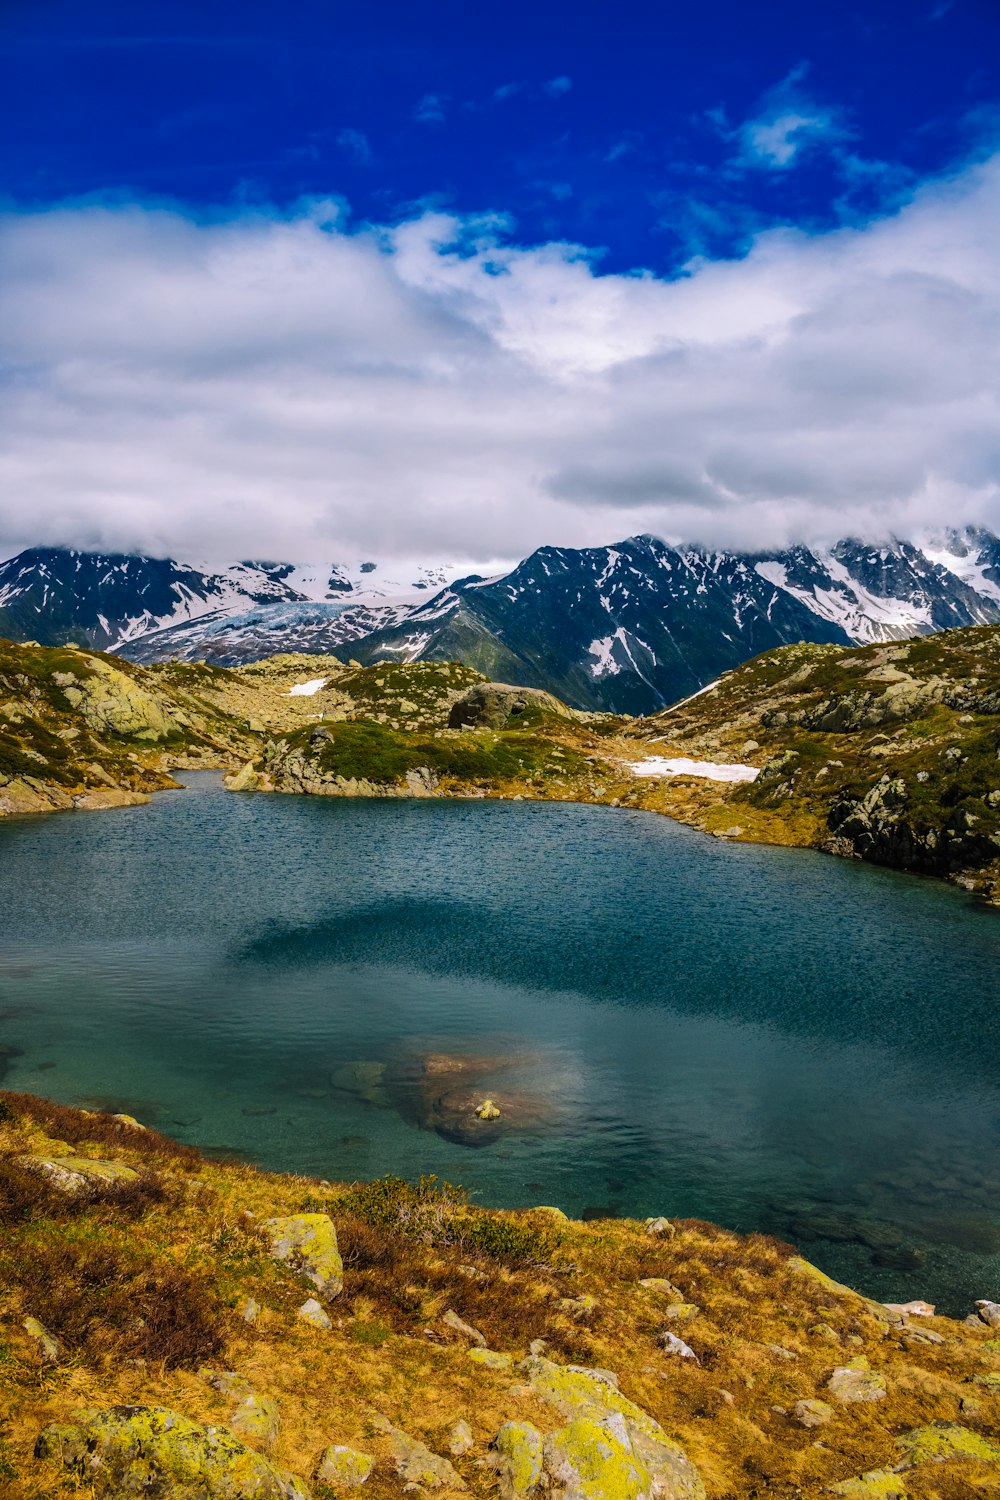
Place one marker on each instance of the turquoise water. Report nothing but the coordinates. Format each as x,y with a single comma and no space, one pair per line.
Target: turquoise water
762,1037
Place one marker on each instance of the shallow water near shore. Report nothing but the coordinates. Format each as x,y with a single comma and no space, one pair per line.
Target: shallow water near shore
766,1038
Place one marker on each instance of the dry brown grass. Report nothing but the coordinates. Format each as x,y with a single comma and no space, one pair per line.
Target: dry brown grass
194,1254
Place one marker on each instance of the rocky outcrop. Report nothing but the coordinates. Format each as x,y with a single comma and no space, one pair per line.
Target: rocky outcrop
885,826
623,1442
152,1451
492,705
73,1174
308,1242
415,1463
111,702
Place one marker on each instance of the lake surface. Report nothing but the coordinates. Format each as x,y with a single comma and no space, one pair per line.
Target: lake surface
766,1038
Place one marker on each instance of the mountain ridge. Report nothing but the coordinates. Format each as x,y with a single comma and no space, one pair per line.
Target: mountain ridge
628,628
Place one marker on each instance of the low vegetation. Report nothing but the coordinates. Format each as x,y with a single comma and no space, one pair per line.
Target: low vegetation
143,1284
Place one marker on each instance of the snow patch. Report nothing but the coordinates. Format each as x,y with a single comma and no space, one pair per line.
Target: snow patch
307,689
681,765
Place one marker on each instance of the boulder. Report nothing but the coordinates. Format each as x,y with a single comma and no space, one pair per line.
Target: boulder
414,1461
518,1454
660,1226
856,1382
48,1345
943,1440
490,705
308,1242
466,1330
580,1394
256,1419
151,1451
460,1438
585,1461
812,1413
877,1484
343,1468
315,1313
73,1174
491,1359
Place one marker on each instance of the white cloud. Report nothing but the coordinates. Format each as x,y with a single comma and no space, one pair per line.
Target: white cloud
253,383
788,123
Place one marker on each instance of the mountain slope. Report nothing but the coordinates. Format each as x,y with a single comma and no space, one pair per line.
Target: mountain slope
624,629
55,595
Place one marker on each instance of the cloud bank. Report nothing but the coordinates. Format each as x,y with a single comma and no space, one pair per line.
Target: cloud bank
267,384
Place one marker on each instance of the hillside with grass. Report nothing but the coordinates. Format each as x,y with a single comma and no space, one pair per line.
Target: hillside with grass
888,753
175,1326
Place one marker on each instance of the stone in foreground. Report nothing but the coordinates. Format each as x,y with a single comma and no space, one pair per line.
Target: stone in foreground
308,1243
517,1450
586,1394
414,1461
856,1382
343,1468
73,1174
157,1453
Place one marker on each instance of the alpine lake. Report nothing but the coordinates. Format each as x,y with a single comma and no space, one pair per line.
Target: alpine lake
669,1024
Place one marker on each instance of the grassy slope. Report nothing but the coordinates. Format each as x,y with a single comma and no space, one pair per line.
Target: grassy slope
143,1286
827,725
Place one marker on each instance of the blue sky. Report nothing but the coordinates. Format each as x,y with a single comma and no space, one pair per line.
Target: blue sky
650,128
338,240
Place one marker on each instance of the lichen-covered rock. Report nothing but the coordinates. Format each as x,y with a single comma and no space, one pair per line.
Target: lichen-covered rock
315,1313
490,705
415,1462
492,1359
662,1287
308,1242
813,1413
549,1208
460,1438
71,1174
48,1345
579,1308
109,700
877,1484
584,1461
343,1468
942,1440
256,1419
681,1312
856,1382
579,1393
518,1455
458,1325
660,1226
161,1455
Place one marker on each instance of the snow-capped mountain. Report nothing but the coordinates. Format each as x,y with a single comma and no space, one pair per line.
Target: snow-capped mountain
55,594
630,627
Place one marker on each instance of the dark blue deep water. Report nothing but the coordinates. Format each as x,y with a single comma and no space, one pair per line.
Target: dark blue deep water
766,1038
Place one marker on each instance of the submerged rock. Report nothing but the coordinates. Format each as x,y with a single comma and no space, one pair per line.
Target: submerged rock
308,1242
152,1451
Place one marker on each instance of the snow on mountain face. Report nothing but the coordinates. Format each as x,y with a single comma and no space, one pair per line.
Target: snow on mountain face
111,601
629,628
